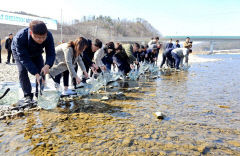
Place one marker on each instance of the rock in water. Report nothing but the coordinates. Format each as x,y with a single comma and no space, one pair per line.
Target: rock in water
160,115
104,98
223,106
120,94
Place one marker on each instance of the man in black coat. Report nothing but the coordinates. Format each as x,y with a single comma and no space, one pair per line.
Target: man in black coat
8,48
27,48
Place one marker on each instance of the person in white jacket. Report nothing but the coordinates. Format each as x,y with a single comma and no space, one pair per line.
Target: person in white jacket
67,56
179,54
99,54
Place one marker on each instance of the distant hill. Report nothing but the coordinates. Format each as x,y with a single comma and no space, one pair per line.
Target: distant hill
102,27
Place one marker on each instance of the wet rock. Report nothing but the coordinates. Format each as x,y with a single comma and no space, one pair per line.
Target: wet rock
104,98
207,111
201,148
119,96
163,153
87,147
205,148
234,143
223,106
87,107
110,87
20,114
132,90
154,77
127,142
2,117
159,115
37,109
155,136
147,136
64,118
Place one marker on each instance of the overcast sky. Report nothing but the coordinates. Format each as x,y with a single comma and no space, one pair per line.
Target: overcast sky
170,17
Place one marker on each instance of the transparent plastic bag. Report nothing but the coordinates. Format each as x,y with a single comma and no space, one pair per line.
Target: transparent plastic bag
50,95
12,96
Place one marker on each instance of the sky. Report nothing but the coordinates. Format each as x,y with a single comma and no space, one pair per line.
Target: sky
169,17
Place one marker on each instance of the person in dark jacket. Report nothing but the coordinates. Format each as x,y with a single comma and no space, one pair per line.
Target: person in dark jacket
169,44
151,54
8,48
177,45
141,54
167,55
0,50
27,48
108,58
121,59
87,58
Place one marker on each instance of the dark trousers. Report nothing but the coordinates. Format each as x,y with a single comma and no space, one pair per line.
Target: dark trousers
23,75
167,55
9,56
87,69
74,82
124,68
0,54
177,60
65,78
108,66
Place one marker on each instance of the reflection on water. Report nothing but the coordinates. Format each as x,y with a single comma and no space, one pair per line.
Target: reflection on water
195,123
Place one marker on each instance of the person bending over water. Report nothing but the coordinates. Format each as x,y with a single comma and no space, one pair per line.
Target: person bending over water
179,54
67,55
27,48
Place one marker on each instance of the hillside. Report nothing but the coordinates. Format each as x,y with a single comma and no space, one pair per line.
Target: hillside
102,27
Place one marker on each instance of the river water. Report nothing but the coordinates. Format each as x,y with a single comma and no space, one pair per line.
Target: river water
201,108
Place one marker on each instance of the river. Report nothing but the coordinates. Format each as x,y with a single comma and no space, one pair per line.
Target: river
201,108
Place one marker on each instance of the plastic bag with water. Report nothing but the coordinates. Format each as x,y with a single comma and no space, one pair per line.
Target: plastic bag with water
133,74
50,95
12,96
94,85
153,68
185,67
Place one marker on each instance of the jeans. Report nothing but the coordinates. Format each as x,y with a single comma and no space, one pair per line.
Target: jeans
23,75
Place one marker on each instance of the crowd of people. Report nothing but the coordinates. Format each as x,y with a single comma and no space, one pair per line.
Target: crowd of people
92,57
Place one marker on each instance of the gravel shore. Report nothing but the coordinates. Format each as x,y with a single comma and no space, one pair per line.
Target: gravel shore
9,72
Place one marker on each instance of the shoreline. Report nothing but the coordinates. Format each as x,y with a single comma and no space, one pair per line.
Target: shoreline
9,72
